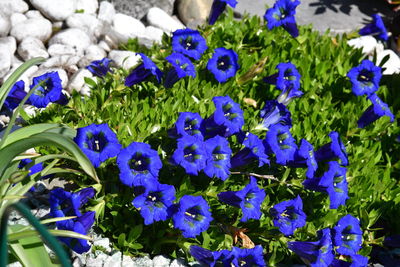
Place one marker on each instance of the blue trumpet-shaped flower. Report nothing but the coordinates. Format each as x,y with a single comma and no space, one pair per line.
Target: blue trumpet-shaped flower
48,90
182,67
333,150
254,150
365,78
376,28
192,216
226,120
142,71
248,257
210,258
280,141
190,154
282,14
138,164
275,112
98,142
187,124
318,253
347,235
377,109
99,68
15,96
218,162
217,8
223,64
304,157
357,260
155,201
288,215
249,199
189,43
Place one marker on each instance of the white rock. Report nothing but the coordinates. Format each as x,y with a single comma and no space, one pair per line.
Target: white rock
127,27
103,44
77,82
61,49
124,59
92,52
97,261
151,35
9,43
367,43
61,61
16,18
161,261
5,25
9,7
5,62
57,26
160,19
55,10
86,22
142,262
39,28
16,62
34,14
127,261
62,73
73,37
32,47
114,260
88,6
178,263
111,39
392,65
101,242
4,121
106,12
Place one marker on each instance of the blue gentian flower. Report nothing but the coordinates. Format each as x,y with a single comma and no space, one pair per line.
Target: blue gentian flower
318,253
223,64
275,112
347,235
190,154
249,199
188,42
254,150
288,215
188,123
32,170
357,260
304,157
98,142
226,120
280,141
48,91
99,68
377,109
217,8
138,164
142,71
248,257
80,225
15,96
333,150
210,258
282,14
155,201
365,78
218,162
193,216
376,28
182,67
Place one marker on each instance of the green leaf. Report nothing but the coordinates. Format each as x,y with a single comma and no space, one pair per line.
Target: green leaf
135,232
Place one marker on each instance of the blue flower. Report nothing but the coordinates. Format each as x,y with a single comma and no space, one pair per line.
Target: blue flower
248,257
187,124
333,150
33,169
375,111
275,112
15,96
356,261
193,216
288,215
365,78
190,154
182,67
138,164
142,71
99,68
98,142
282,14
249,199
48,90
223,64
208,257
254,150
226,120
318,253
304,157
347,235
280,141
188,42
155,201
217,8
376,28
218,162
80,225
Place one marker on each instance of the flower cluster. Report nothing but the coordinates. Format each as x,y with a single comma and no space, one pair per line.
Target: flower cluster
282,14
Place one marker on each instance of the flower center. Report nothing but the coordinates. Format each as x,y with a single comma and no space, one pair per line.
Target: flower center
223,63
96,142
193,214
365,76
139,163
189,43
190,154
